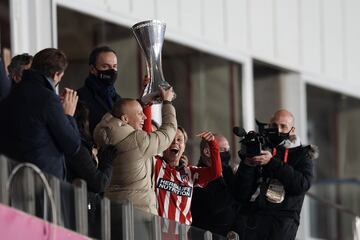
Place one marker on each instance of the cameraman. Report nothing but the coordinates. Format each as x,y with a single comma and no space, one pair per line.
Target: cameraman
271,186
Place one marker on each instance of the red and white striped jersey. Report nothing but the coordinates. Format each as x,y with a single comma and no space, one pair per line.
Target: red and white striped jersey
174,187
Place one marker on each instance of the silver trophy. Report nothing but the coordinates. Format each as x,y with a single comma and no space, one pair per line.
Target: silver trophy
150,37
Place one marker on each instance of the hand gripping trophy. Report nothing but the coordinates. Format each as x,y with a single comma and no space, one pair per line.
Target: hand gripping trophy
150,37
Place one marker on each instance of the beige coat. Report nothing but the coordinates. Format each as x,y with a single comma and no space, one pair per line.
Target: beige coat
132,176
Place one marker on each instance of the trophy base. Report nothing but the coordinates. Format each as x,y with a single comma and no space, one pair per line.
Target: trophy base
154,98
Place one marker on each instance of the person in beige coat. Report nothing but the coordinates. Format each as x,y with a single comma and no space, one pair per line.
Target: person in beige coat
133,167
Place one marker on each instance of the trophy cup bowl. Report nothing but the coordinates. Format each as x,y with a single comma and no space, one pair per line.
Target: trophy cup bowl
150,37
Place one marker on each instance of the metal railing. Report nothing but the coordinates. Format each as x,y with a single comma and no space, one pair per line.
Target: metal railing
120,220
68,203
70,208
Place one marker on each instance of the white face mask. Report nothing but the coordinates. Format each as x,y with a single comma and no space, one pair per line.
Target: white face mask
293,142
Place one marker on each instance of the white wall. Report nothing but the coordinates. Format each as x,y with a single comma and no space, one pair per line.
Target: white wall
31,25
318,38
310,36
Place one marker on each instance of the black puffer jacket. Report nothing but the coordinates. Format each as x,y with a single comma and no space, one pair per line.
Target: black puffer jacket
296,176
213,207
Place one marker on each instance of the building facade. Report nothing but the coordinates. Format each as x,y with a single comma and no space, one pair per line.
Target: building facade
230,61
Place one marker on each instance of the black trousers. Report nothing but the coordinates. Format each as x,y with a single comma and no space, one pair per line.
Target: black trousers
266,227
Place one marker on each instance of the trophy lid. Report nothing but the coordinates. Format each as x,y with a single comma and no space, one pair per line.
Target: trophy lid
147,23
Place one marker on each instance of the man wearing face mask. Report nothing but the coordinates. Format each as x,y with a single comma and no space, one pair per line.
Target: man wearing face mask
213,207
99,93
271,186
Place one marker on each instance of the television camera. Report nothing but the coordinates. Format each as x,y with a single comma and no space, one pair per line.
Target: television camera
253,142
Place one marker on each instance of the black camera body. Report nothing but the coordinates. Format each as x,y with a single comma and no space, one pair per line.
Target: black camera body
253,142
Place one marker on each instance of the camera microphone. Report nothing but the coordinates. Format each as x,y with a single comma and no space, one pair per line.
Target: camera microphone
240,132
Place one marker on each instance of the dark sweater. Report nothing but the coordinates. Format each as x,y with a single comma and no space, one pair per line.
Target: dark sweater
98,98
83,166
213,207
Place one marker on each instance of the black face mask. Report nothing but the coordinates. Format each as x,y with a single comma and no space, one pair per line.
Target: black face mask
107,76
277,139
225,157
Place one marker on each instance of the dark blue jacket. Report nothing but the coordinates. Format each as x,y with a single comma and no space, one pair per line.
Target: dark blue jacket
34,127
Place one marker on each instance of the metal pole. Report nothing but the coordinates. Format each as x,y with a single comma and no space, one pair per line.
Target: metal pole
232,236
127,220
29,193
4,175
81,212
105,219
156,227
55,187
182,232
207,235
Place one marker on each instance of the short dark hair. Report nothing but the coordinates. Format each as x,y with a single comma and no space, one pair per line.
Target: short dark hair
119,106
18,62
96,51
49,61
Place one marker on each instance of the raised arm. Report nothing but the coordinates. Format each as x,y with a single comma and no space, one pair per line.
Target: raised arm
207,174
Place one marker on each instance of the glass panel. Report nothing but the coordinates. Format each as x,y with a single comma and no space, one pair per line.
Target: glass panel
208,93
68,205
147,226
211,98
206,86
333,125
266,91
195,233
143,227
329,222
218,237
116,220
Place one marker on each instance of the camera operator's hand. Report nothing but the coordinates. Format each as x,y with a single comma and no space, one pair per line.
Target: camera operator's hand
262,159
250,162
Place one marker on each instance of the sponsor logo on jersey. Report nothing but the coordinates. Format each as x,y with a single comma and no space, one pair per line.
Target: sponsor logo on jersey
175,188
